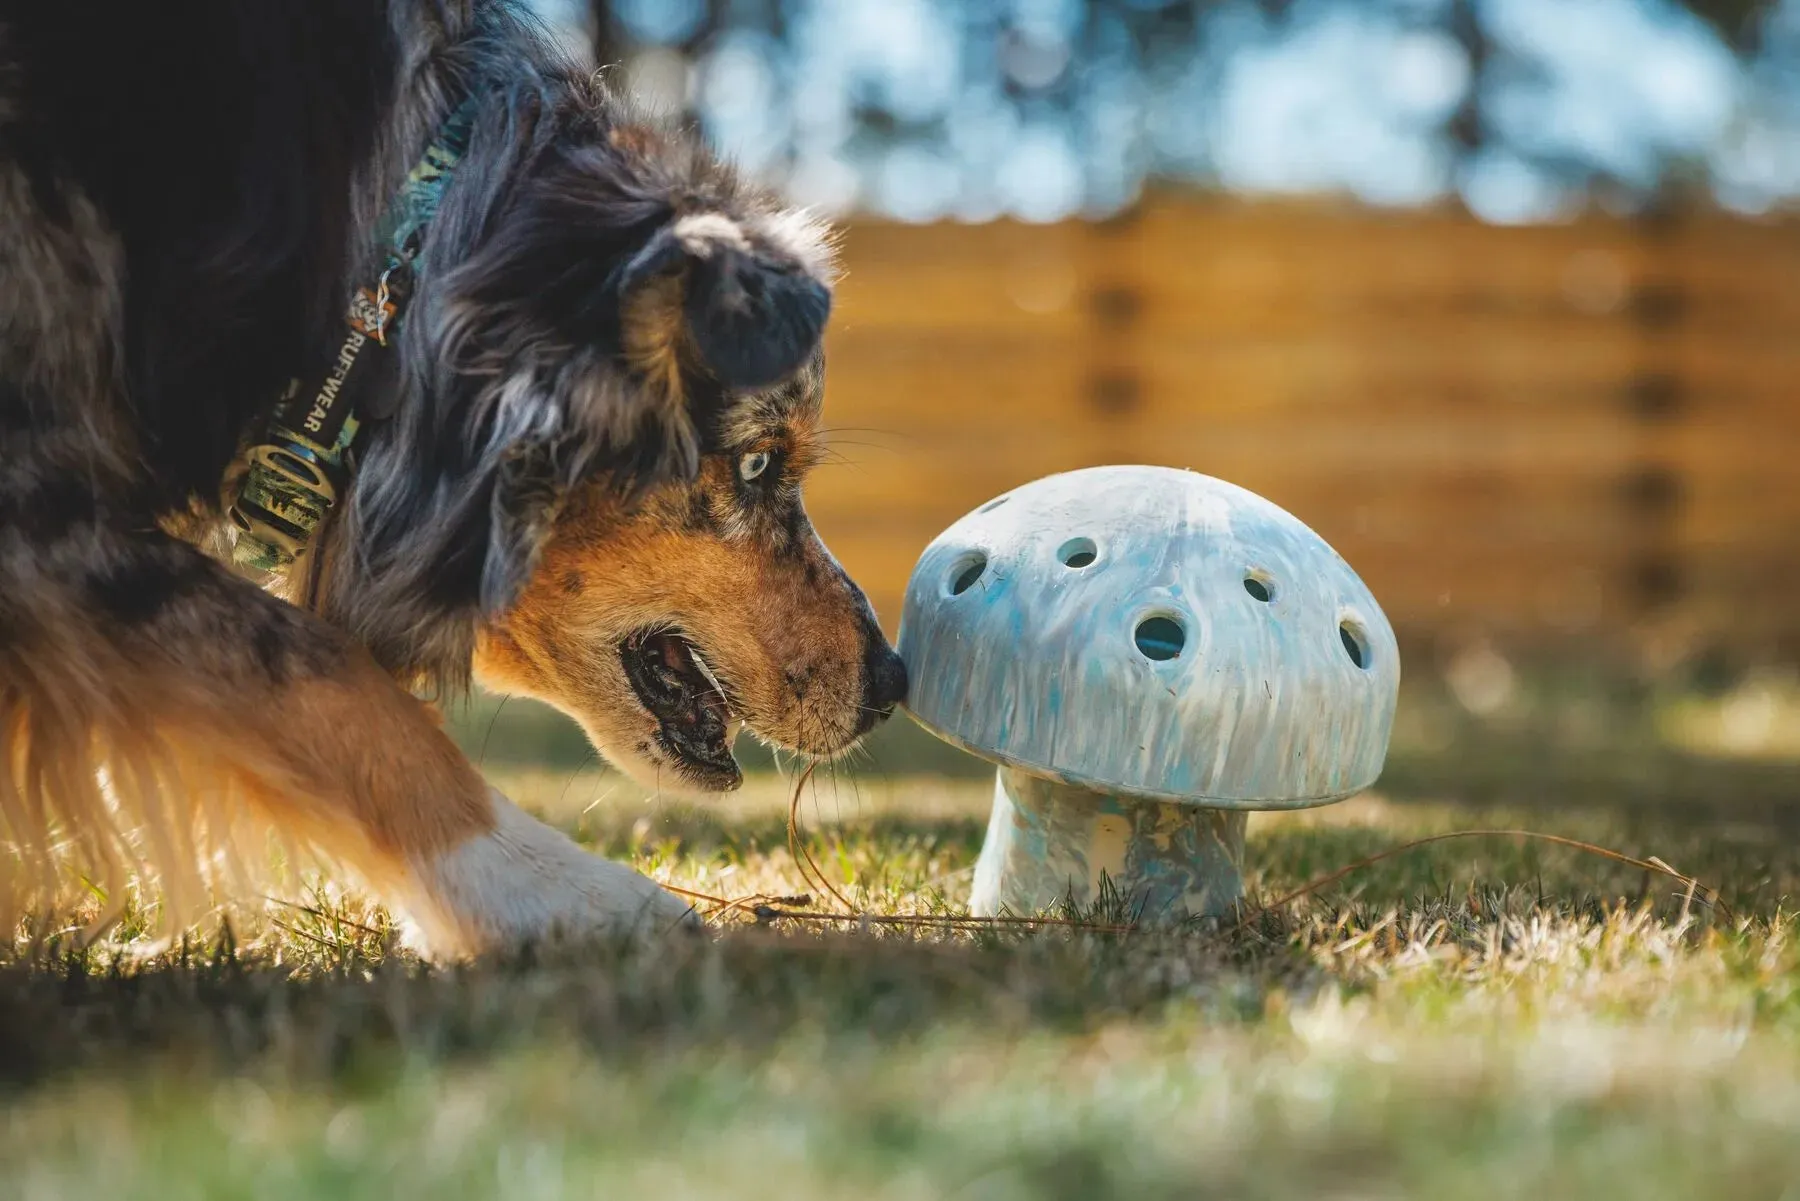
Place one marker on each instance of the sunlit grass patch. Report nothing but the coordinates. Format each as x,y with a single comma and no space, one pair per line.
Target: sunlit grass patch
1489,1018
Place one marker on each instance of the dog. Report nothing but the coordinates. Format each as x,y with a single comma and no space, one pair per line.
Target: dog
577,476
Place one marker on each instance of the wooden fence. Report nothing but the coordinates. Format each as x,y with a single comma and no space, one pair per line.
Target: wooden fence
1574,435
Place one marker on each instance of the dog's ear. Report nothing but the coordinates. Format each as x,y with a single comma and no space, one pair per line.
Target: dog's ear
744,300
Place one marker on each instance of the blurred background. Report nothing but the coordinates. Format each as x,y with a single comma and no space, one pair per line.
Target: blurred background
1500,296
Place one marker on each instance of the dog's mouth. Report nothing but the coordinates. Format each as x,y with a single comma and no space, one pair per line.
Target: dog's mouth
675,685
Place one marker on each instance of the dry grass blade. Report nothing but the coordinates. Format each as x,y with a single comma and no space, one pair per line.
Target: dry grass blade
810,871
1653,864
315,939
335,918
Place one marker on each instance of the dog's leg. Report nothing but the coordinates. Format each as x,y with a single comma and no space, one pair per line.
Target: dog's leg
136,658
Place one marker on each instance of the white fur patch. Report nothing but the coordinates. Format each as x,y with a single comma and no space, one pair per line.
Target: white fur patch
795,234
524,881
803,237
699,233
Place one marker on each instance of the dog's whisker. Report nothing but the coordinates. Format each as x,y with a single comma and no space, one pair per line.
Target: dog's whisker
593,804
573,776
482,758
831,432
707,671
837,442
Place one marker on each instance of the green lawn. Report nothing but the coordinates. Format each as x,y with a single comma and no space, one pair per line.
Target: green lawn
1491,1019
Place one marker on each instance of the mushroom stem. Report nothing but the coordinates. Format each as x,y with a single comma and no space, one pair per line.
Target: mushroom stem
1048,842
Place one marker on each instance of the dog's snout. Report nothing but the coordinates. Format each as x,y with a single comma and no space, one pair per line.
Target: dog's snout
884,680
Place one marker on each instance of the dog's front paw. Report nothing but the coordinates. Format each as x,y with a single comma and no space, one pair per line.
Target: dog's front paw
524,882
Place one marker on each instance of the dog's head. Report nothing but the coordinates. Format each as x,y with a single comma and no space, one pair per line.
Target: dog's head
612,381
663,625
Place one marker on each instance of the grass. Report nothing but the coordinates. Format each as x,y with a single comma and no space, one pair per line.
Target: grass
1470,1020
1494,1019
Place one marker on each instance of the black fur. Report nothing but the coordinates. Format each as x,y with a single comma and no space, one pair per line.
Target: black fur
754,321
188,191
755,317
219,141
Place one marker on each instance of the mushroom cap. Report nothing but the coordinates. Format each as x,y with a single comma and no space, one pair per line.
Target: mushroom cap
1152,632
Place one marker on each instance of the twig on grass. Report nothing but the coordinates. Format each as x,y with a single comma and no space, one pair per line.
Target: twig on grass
1709,895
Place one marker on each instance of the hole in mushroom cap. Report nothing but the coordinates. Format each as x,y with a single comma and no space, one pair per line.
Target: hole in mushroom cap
1260,586
1160,638
993,504
965,571
1077,552
1356,643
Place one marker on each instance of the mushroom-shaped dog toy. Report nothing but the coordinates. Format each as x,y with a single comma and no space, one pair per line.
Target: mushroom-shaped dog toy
1146,653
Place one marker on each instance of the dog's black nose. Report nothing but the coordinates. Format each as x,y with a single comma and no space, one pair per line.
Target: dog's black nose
884,679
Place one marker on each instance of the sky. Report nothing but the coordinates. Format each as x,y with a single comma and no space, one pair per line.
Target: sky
971,109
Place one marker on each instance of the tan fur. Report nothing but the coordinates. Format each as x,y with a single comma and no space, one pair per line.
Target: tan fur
783,630
655,337
112,766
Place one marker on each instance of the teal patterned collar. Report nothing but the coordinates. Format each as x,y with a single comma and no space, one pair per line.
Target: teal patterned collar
297,471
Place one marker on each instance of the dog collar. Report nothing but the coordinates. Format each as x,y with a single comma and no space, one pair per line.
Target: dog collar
296,472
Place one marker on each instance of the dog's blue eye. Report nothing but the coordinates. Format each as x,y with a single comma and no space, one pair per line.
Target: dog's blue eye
753,464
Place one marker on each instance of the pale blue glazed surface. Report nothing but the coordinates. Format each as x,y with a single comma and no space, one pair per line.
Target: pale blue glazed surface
1049,842
1034,665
